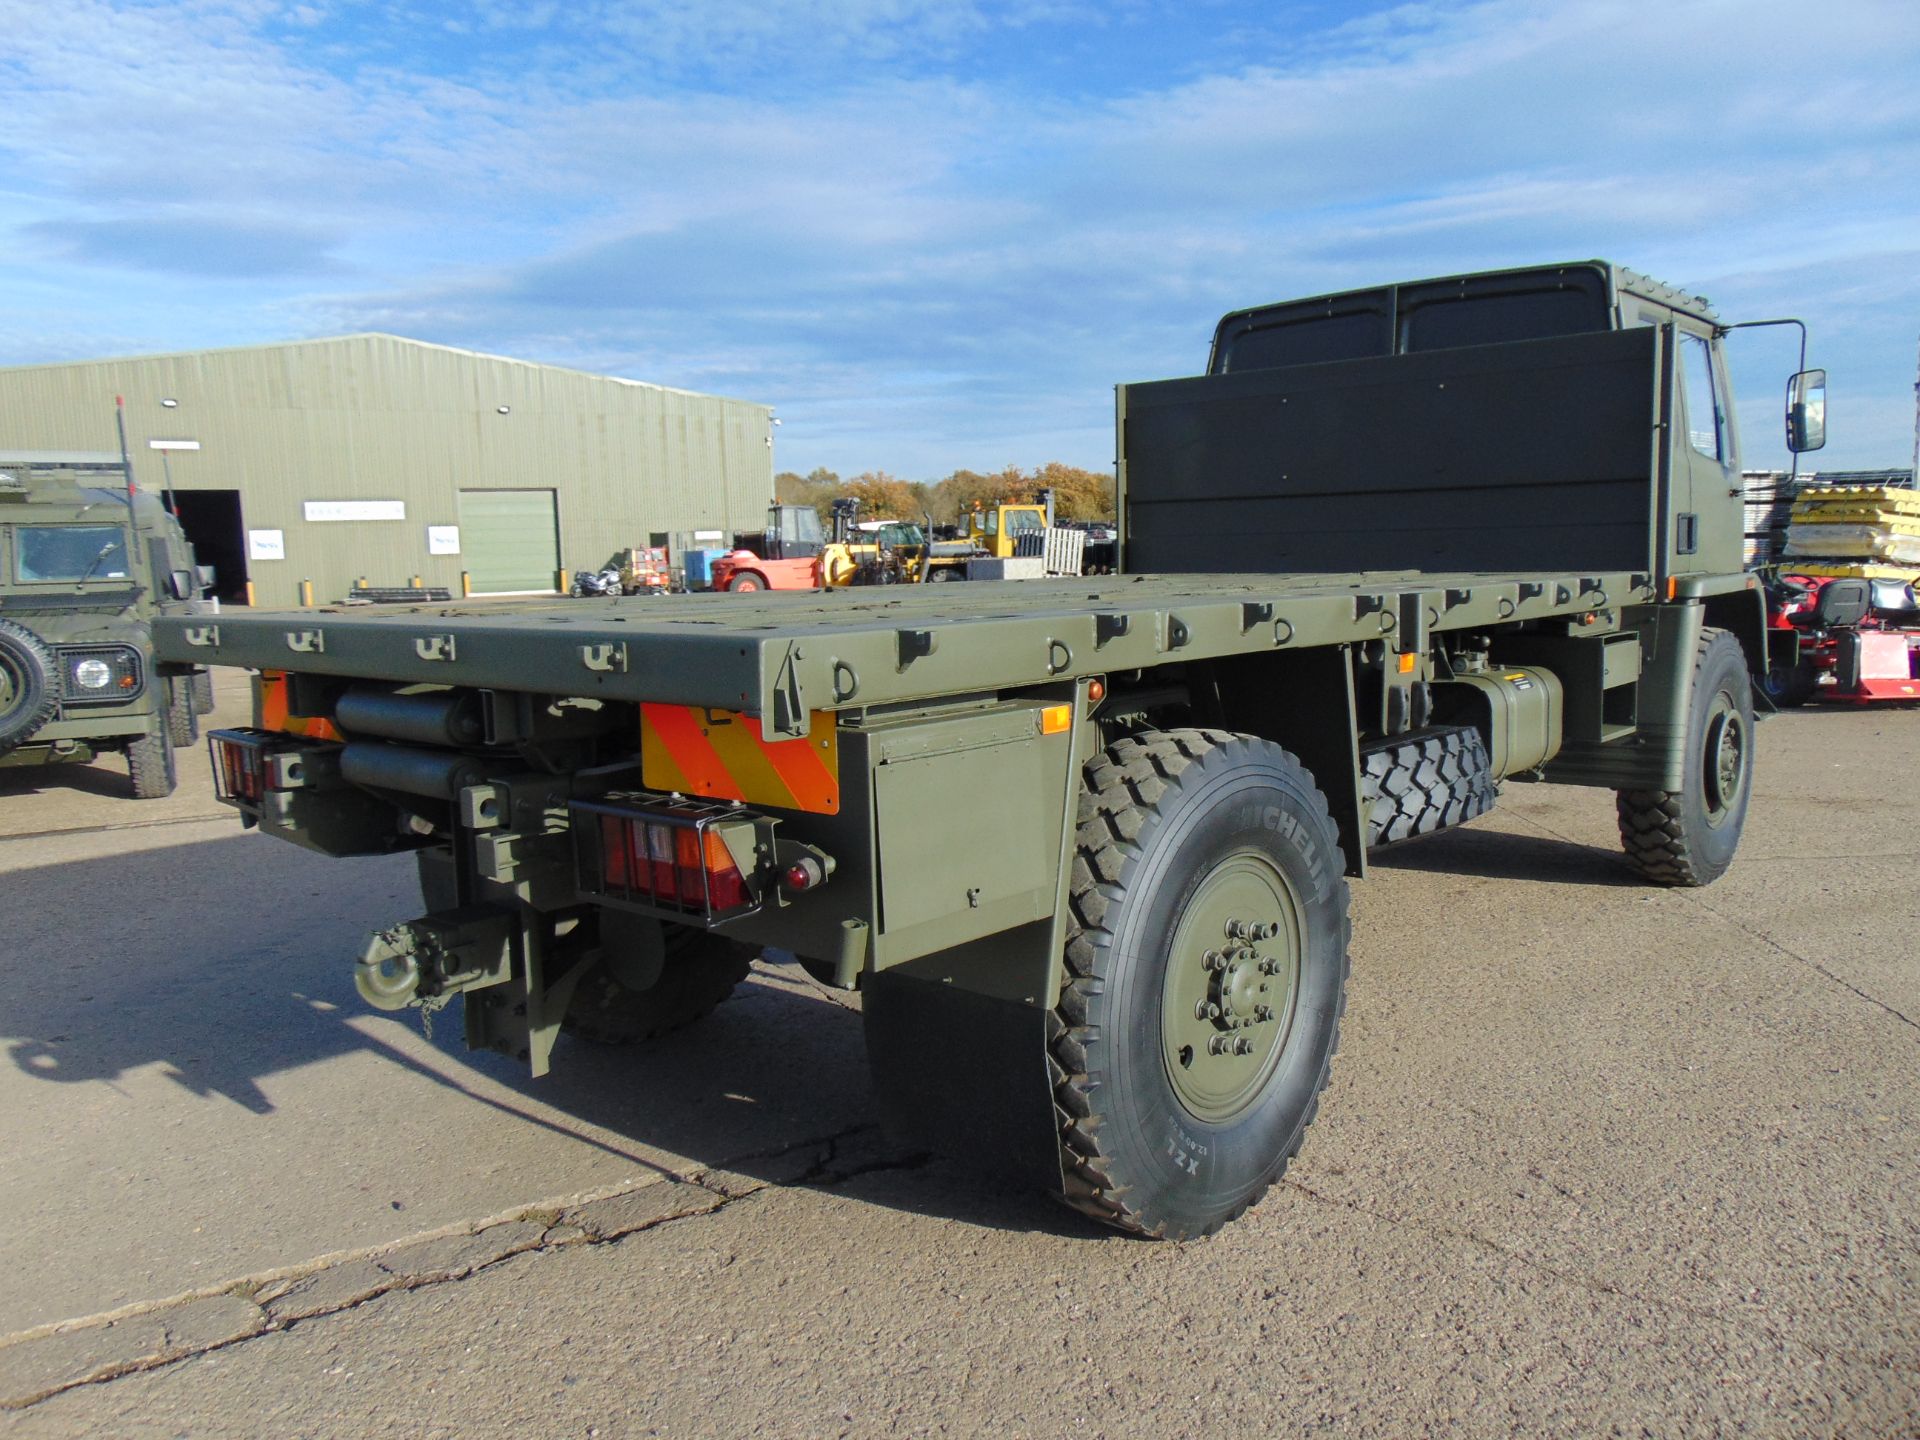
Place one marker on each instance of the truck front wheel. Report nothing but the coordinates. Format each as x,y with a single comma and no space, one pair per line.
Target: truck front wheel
1687,837
1206,967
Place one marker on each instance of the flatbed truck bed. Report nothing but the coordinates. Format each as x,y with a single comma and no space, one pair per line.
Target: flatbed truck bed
848,647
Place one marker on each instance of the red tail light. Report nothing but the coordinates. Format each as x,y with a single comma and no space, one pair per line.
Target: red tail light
666,855
240,765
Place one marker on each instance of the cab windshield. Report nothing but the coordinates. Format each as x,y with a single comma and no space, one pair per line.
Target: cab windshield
44,553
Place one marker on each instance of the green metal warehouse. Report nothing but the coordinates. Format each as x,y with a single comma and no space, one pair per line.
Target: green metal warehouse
376,457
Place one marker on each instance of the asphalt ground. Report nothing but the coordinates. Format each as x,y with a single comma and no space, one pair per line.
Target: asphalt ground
1597,1159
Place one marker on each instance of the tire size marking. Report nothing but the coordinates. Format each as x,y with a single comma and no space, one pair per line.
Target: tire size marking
1186,1153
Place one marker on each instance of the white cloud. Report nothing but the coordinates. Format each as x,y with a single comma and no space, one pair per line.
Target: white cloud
904,238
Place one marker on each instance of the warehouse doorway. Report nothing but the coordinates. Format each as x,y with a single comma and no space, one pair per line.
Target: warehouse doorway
510,541
213,524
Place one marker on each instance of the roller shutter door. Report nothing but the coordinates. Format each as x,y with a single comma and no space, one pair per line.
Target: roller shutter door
510,540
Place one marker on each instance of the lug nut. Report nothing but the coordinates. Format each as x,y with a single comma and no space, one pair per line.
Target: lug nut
1243,1046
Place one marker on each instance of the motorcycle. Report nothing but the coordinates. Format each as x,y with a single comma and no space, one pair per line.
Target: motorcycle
589,582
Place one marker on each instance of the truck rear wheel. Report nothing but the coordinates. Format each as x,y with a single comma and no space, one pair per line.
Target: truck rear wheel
1206,966
1687,837
150,763
29,695
690,972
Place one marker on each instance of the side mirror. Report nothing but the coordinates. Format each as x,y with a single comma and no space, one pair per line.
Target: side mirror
180,584
1807,411
204,576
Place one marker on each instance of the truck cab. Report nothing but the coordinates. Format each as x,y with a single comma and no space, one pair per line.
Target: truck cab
85,566
1004,531
1698,463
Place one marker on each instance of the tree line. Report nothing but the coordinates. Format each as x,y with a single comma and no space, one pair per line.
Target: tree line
1078,494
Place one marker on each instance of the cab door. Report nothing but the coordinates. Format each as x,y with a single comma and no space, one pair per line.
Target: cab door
1708,514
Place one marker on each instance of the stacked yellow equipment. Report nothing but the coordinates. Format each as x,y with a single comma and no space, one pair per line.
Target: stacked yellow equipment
1872,531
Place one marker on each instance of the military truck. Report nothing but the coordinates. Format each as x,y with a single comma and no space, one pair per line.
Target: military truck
86,563
1394,547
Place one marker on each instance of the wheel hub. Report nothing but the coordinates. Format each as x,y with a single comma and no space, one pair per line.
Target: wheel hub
1231,980
1726,759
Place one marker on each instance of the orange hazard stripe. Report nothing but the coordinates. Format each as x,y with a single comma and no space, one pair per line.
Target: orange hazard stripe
719,754
271,710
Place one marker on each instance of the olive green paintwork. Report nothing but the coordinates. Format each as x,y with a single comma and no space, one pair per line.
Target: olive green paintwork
1552,461
111,609
780,655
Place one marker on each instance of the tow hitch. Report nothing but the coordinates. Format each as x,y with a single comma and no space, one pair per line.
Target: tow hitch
426,962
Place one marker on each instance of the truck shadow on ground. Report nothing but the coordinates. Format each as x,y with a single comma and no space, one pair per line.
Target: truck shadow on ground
248,980
107,778
1504,855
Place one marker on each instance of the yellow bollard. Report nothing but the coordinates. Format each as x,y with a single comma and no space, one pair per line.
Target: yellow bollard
466,585
415,582
306,593
249,594
560,580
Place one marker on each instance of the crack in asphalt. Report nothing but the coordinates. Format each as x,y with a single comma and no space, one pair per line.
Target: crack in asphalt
117,825
1695,897
564,1224
1570,1277
1807,960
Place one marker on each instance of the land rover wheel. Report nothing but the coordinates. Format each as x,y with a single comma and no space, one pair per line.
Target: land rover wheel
28,695
1206,967
1687,837
150,763
183,726
650,978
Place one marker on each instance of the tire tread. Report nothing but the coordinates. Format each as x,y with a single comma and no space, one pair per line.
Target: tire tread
1653,825
1121,786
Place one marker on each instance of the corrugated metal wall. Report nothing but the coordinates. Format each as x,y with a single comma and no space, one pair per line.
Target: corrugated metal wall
376,417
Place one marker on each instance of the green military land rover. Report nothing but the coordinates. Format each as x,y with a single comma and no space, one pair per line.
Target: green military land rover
86,563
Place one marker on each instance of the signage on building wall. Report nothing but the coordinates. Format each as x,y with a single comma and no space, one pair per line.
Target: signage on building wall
266,545
700,535
443,539
354,509
173,444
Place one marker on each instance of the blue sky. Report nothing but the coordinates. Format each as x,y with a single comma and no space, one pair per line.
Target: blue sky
931,234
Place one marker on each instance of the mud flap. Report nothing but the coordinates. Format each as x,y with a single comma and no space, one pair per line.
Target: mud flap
964,1074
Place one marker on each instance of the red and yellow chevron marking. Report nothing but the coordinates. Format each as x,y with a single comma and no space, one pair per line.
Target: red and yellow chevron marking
270,710
719,754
